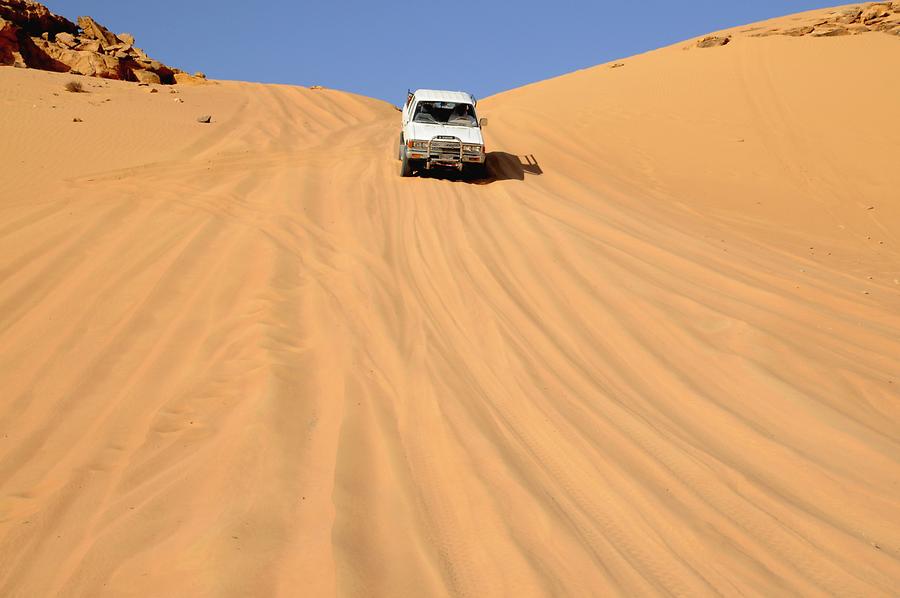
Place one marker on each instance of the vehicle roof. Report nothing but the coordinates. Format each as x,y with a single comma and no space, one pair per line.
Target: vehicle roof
436,95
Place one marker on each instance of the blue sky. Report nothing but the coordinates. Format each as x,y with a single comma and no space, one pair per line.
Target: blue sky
380,48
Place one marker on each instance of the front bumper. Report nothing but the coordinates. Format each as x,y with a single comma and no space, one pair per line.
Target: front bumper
446,153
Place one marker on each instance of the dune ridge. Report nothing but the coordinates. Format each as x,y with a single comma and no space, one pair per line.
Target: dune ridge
657,354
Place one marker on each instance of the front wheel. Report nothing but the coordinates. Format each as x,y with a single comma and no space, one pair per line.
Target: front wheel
405,166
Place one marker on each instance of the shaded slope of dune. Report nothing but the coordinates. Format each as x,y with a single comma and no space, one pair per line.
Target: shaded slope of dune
659,354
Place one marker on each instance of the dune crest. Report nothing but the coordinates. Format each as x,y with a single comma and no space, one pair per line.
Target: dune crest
657,353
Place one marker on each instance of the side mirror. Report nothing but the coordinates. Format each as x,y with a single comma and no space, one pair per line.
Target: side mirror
482,122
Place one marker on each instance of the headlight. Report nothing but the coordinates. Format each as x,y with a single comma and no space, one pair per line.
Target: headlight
474,149
419,145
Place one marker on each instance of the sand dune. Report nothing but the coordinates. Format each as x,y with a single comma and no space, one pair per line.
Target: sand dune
658,354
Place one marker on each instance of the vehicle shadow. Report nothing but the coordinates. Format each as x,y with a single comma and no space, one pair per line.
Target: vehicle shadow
501,166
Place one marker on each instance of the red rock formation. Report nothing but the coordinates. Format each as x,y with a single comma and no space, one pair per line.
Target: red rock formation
31,36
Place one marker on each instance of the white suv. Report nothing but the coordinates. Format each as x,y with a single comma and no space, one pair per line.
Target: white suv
440,130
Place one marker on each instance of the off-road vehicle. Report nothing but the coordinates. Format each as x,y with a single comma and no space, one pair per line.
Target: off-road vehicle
440,130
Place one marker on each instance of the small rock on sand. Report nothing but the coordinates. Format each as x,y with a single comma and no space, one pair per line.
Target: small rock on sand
713,41
204,119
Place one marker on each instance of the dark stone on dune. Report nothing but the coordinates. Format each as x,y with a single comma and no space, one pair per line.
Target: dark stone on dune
204,119
713,41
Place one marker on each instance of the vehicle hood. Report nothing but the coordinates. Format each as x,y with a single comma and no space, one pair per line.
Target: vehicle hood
425,132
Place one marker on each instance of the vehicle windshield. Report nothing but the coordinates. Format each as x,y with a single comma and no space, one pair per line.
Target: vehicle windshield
445,113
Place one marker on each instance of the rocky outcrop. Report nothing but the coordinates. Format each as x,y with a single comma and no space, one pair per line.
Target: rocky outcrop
187,79
799,31
853,20
145,76
31,36
93,30
10,51
34,18
83,62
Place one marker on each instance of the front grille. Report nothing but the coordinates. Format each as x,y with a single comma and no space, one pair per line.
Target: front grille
445,149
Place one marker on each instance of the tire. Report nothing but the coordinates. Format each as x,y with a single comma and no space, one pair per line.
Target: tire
400,149
405,165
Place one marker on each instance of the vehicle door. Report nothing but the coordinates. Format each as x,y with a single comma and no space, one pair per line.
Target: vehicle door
408,110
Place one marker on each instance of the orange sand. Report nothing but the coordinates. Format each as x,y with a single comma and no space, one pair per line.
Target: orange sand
659,355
